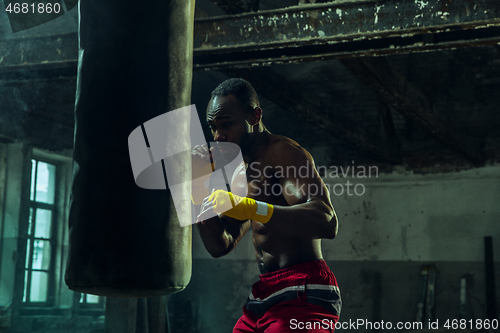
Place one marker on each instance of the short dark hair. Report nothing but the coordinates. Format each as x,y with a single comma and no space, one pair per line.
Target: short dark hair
240,88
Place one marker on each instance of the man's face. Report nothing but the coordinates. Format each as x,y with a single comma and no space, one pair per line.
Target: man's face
227,121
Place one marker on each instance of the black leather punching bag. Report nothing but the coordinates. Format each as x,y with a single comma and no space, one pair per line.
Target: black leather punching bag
135,63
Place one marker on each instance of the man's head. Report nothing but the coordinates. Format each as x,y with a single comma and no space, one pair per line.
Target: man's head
233,111
241,89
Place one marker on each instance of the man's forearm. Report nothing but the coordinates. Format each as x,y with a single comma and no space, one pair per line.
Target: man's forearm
313,219
215,238
213,234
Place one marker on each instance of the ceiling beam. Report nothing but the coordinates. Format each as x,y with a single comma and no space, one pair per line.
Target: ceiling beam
237,6
53,53
343,29
39,57
340,29
408,100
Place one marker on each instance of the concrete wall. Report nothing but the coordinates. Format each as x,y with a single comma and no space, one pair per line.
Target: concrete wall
402,222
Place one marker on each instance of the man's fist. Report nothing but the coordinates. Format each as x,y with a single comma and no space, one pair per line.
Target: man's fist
202,165
232,205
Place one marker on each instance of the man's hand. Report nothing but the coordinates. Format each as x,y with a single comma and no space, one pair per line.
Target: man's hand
220,234
232,205
201,161
202,168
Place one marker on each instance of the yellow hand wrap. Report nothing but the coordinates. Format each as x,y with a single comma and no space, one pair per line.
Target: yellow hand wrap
241,208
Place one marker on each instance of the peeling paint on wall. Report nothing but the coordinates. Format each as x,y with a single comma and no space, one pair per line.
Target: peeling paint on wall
377,10
421,4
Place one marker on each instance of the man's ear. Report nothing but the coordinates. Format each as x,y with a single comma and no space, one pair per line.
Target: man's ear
255,116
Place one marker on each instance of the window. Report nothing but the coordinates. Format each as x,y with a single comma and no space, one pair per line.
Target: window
44,210
91,301
40,244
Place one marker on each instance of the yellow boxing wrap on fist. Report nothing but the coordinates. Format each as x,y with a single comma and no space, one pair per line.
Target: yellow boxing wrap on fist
241,208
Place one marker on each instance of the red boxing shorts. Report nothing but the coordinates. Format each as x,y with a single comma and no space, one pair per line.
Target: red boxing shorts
301,298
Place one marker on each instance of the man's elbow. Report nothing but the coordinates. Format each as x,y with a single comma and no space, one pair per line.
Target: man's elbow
332,228
216,254
219,251
331,233
330,221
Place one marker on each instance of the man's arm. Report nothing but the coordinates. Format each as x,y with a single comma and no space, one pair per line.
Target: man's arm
310,213
220,234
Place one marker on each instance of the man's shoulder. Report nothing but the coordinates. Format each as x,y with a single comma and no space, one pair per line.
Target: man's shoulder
280,143
282,149
281,140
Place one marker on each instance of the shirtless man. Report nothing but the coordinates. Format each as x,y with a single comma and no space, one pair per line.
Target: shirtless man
288,209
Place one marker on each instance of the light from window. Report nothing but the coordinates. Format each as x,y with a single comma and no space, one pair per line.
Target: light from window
38,266
89,299
43,189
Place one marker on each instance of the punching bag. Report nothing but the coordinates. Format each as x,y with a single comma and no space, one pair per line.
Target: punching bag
135,63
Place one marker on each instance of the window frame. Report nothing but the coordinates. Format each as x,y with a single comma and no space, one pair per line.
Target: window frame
31,238
53,240
63,302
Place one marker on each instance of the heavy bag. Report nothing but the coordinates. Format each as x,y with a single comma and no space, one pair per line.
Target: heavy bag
135,63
